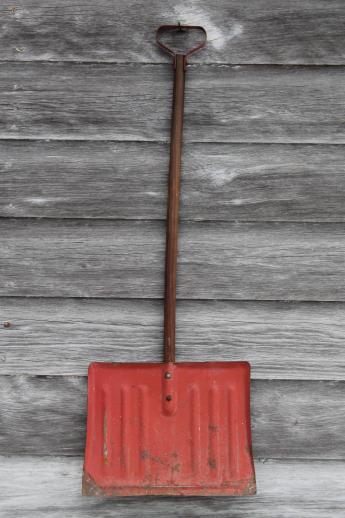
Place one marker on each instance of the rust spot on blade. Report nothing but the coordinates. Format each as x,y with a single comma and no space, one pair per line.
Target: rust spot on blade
174,467
90,488
212,463
145,454
250,489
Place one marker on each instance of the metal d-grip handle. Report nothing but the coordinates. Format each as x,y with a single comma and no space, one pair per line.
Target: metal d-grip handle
180,62
181,28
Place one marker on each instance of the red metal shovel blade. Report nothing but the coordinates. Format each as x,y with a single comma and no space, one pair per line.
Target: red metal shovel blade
168,429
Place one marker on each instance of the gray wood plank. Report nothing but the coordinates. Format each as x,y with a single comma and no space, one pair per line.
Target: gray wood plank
128,180
50,487
281,340
132,102
102,258
291,419
264,31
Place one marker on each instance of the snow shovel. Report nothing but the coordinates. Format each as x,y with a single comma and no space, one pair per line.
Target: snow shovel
169,428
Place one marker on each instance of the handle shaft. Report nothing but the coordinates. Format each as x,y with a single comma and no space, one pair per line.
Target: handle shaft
173,209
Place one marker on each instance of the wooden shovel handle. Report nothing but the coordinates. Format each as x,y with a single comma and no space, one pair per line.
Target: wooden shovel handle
180,61
173,210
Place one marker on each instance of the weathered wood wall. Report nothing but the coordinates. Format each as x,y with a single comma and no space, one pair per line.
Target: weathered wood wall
84,127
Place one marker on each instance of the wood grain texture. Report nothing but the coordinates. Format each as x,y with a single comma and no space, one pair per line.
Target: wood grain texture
100,258
45,415
85,100
128,180
132,102
50,487
265,31
281,340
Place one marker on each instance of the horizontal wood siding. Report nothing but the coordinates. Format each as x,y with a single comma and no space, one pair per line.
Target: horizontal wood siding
281,340
49,487
133,102
264,31
128,180
100,258
45,415
85,105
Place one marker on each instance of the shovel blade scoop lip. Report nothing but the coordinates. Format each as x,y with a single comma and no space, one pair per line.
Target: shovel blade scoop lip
169,429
